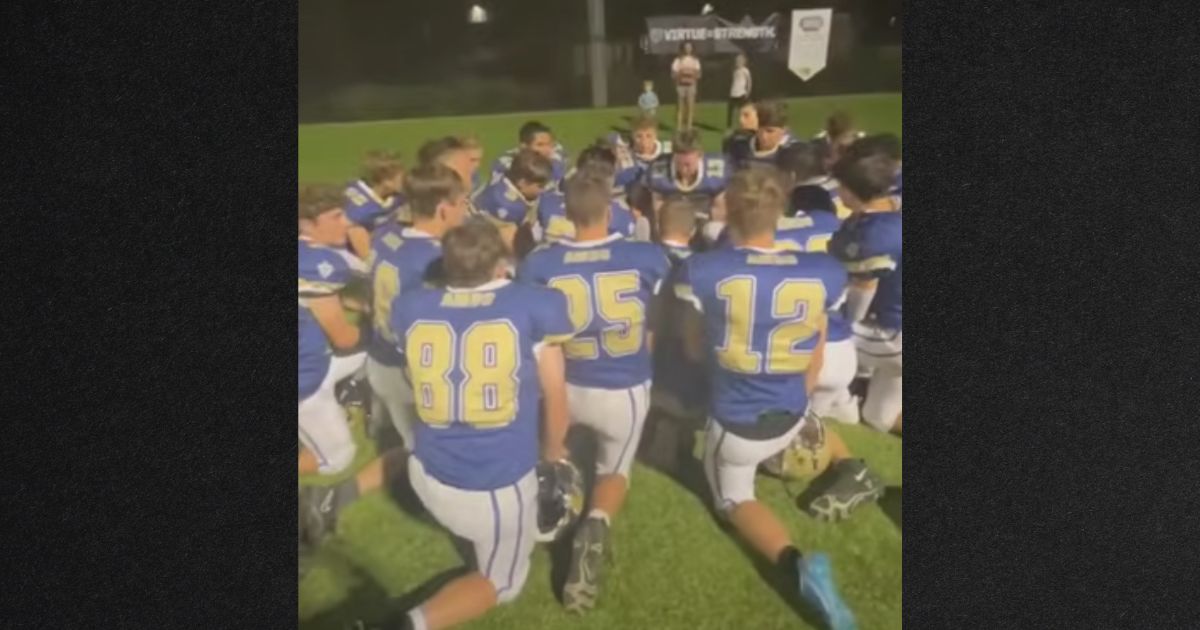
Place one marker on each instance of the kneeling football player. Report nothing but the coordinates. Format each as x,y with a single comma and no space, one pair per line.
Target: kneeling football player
481,351
610,282
759,310
329,352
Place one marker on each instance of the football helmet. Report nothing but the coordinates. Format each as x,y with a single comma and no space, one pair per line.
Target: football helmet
806,456
560,498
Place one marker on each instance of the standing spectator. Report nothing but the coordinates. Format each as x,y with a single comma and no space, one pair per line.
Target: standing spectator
739,90
685,71
648,101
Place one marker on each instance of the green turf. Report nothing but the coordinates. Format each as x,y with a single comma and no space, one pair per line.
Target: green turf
330,153
675,567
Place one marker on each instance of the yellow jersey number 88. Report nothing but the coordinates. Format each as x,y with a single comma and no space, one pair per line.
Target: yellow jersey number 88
486,356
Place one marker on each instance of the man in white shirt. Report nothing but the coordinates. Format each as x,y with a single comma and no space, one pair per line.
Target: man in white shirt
685,71
739,90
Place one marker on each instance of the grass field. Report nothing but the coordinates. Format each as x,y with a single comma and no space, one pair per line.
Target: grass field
675,566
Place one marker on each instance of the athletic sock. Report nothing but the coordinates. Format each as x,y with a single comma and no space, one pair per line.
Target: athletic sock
600,514
787,561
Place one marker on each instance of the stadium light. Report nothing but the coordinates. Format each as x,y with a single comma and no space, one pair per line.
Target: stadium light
708,8
477,15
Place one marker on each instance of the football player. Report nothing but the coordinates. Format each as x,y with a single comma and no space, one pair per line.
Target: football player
552,222
329,341
481,352
373,198
689,173
760,312
646,147
747,123
475,154
769,137
680,385
402,259
513,198
609,282
839,133
536,137
888,144
870,245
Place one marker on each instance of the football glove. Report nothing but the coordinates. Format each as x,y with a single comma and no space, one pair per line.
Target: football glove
560,498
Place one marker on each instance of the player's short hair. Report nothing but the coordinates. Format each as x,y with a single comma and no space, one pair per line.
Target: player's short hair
677,215
530,166
587,199
469,141
598,160
803,161
434,150
530,129
428,185
755,200
771,113
686,141
886,143
645,122
380,165
470,253
838,123
866,173
317,199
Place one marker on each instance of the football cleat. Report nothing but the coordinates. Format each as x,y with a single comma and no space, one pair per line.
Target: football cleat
560,498
851,484
819,592
587,561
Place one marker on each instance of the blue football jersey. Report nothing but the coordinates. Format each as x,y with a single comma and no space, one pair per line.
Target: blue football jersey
762,311
744,153
402,259
609,285
870,246
713,177
503,202
472,360
554,225
366,209
558,166
324,271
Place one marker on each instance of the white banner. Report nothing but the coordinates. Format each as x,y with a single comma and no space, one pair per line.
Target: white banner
810,41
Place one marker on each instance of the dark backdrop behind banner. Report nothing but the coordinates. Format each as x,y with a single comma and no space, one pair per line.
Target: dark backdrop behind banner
377,59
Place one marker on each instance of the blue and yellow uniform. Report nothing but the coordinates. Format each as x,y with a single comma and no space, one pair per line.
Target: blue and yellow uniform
763,311
324,271
402,259
472,356
870,245
554,225
558,166
503,203
710,182
609,284
366,209
744,153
